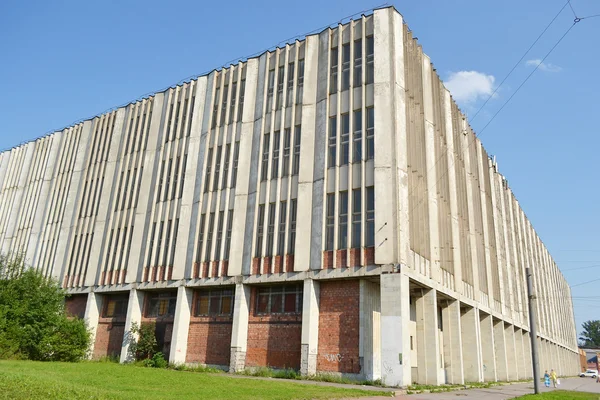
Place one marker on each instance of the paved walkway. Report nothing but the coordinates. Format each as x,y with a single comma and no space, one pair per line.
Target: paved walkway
503,392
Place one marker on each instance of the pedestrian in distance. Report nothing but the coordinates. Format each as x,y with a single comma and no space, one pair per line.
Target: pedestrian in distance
553,377
546,379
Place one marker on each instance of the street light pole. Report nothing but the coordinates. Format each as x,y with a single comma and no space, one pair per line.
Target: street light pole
533,330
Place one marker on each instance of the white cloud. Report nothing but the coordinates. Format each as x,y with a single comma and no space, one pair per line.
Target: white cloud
543,66
468,86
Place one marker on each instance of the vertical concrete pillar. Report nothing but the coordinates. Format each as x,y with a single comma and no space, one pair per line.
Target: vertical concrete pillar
428,361
500,350
370,329
395,334
528,359
471,345
488,351
92,313
239,329
181,325
310,328
521,354
134,315
453,343
512,371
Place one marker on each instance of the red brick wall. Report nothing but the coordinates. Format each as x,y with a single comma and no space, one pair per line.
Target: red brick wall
273,340
339,327
109,337
75,305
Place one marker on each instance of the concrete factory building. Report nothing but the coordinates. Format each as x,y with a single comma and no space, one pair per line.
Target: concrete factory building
324,206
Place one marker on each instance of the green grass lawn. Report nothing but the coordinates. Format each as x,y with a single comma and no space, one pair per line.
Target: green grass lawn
561,395
95,380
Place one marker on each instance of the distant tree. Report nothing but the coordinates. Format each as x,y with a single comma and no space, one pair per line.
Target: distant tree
33,322
590,337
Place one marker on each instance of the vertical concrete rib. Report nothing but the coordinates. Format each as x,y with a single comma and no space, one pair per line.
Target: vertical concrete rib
453,344
471,345
310,328
428,344
488,348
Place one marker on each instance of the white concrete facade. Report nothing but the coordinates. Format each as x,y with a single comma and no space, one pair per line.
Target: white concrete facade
339,156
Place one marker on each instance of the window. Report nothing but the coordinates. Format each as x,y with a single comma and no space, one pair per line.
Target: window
217,168
333,70
370,60
159,242
151,246
296,159
175,178
160,181
281,234
141,135
292,241
270,89
357,137
280,82
216,105
270,230
357,63
224,104
343,221
241,105
287,144
346,66
370,133
137,195
345,140
356,218
300,88
214,302
332,141
290,85
226,167
169,123
115,306
182,177
161,304
279,299
167,241
370,233
211,226
132,189
200,237
219,235
236,156
118,192
259,231
189,130
232,102
228,236
176,125
166,191
184,117
208,166
330,221
275,165
265,157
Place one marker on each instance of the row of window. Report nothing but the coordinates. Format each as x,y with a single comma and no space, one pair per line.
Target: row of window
271,224
281,78
134,189
172,130
164,181
357,138
357,48
210,234
223,102
286,170
131,144
220,181
172,228
122,241
214,302
356,221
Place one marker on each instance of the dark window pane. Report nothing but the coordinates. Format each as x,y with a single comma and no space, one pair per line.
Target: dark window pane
290,302
276,302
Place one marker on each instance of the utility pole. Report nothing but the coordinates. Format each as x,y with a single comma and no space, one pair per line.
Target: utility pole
533,330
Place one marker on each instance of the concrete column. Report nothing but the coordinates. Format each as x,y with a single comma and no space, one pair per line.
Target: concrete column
395,334
370,329
428,361
453,356
500,351
471,348
239,329
310,328
488,352
521,354
134,315
527,355
181,325
92,313
512,371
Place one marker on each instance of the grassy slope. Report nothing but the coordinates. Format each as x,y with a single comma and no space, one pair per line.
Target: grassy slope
36,380
561,395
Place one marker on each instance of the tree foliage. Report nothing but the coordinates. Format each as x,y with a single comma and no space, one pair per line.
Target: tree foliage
33,322
590,337
144,346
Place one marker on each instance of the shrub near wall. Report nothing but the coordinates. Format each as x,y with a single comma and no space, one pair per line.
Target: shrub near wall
33,322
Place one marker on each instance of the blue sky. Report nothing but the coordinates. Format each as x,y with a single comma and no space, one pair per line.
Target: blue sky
67,60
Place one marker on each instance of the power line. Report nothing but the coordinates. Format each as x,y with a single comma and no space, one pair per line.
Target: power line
571,5
588,267
585,283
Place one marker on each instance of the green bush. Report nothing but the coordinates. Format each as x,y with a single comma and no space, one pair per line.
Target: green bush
145,346
33,322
